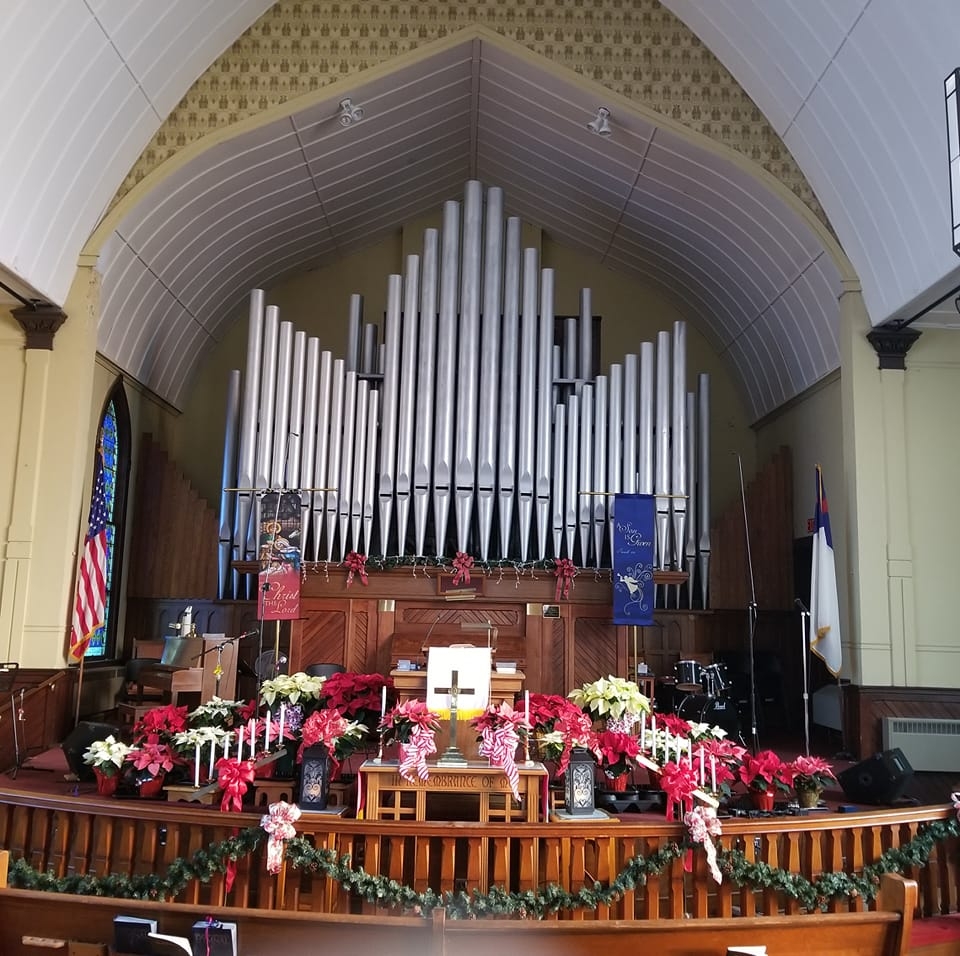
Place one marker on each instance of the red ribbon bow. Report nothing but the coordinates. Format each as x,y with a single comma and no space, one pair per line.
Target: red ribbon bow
357,564
462,564
565,572
234,777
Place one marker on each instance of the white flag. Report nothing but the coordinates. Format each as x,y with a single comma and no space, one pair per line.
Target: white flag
824,606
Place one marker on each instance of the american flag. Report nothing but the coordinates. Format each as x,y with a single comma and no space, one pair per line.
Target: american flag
90,606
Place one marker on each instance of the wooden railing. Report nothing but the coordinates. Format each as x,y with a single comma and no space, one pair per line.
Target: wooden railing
64,835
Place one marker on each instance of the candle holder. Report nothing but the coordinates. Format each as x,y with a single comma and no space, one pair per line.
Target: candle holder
379,757
527,762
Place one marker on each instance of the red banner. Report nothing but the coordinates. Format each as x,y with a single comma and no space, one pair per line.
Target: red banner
279,556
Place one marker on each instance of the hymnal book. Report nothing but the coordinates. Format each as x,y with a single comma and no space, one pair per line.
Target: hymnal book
131,934
213,938
170,944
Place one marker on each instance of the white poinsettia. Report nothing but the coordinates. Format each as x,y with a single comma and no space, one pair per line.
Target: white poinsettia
611,697
291,688
106,755
217,711
706,732
187,741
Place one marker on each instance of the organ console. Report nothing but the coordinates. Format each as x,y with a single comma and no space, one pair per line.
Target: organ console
479,425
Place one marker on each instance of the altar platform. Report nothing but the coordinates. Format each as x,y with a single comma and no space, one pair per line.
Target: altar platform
483,793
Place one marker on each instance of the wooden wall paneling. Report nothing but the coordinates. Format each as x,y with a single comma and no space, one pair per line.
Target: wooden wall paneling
597,650
323,637
357,656
538,646
865,708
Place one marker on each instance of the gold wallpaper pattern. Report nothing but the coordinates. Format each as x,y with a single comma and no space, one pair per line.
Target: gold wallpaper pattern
634,47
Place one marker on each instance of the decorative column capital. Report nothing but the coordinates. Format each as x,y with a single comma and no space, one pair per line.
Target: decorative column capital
891,345
40,323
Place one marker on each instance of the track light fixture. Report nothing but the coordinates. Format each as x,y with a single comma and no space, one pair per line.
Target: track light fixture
601,125
350,114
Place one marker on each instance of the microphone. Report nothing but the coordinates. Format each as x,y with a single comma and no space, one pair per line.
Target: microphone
801,606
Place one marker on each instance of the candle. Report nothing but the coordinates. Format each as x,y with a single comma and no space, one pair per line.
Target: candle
643,728
226,747
196,766
526,707
690,754
679,743
266,733
653,736
213,757
701,767
240,744
252,728
383,700
713,773
283,719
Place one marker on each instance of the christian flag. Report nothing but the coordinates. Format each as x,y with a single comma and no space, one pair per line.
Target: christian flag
824,606
634,593
279,556
89,609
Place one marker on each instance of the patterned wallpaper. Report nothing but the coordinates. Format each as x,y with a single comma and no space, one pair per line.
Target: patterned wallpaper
634,47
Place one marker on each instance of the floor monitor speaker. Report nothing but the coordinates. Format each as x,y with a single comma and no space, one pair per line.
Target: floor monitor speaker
878,780
75,745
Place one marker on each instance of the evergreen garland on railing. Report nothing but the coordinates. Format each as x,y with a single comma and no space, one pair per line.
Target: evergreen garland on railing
205,863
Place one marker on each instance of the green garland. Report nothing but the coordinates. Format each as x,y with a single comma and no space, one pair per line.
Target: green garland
812,895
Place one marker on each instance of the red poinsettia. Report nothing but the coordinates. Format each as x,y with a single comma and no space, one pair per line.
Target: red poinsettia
331,729
676,726
547,709
812,773
162,721
400,722
152,756
352,694
616,750
500,715
765,771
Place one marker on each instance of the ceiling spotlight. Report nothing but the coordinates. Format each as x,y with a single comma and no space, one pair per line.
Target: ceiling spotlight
349,113
601,125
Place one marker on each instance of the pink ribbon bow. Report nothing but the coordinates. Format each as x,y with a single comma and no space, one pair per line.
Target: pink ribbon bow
564,571
703,824
500,745
356,564
414,753
279,824
462,564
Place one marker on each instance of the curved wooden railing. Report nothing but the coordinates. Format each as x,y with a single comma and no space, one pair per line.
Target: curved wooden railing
71,835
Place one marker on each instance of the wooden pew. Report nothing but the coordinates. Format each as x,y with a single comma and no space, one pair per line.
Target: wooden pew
89,920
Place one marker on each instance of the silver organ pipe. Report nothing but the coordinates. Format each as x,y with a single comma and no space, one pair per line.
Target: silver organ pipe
388,412
526,423
584,501
281,439
426,367
598,502
507,434
309,444
405,410
662,484
703,486
678,445
228,498
333,454
318,497
446,372
614,442
462,412
544,397
489,367
354,320
295,425
690,545
571,475
465,460
347,448
559,475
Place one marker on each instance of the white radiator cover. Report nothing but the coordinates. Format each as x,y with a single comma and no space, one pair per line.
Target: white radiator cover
928,743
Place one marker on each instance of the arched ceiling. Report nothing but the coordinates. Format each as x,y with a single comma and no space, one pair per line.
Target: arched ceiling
865,125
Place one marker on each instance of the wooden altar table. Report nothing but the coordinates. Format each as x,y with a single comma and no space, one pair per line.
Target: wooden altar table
412,685
388,796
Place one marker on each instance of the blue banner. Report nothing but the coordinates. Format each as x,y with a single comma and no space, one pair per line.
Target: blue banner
634,593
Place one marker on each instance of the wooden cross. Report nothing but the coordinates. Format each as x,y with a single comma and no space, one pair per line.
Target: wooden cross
452,755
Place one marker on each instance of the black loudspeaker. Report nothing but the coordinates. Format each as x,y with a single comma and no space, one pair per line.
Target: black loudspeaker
881,779
75,746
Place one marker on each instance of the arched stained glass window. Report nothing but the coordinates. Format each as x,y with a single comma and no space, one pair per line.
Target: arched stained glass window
114,439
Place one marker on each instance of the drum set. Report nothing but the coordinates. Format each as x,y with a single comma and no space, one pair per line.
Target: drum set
702,694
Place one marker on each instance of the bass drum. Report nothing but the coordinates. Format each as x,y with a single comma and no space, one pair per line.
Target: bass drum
704,709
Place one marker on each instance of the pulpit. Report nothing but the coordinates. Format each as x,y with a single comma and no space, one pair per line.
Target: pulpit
190,665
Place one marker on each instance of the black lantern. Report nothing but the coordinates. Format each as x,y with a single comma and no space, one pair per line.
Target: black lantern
951,89
578,789
314,778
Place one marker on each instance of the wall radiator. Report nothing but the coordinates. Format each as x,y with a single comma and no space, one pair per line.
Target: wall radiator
928,743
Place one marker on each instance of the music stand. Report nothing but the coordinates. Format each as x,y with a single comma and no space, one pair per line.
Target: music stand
8,678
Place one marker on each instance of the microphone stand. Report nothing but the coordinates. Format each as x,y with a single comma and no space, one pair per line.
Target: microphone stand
804,648
751,614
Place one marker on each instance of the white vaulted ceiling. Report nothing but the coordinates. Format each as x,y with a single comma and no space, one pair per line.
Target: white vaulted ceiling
854,88
746,267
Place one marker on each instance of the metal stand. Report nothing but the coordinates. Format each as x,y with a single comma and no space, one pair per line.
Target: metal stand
8,677
804,652
752,613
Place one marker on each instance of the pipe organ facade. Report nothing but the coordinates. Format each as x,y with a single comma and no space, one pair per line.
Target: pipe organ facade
479,423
